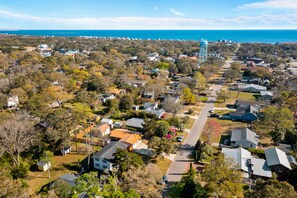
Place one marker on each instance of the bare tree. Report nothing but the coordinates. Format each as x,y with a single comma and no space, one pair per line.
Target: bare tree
172,104
16,136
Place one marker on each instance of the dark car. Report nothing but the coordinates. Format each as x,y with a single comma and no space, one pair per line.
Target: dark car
202,94
214,115
165,179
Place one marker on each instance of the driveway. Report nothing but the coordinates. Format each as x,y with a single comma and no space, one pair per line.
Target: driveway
182,161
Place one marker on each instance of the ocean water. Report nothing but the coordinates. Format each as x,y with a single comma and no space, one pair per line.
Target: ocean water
258,36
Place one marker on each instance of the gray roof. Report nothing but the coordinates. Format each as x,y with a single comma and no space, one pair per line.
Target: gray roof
247,163
291,159
108,151
244,134
135,122
266,93
158,112
239,156
69,178
254,86
275,156
260,168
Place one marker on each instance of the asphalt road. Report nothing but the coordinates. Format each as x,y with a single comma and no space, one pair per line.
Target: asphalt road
182,161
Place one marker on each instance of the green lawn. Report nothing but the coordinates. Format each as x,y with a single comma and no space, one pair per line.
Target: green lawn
190,123
235,96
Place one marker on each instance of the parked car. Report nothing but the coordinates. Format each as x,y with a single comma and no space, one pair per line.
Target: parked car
214,115
202,94
211,111
179,138
165,179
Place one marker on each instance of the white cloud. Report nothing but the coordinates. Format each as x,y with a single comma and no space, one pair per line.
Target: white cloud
178,13
275,4
264,21
155,8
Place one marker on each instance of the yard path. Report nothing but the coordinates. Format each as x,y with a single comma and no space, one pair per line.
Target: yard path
182,159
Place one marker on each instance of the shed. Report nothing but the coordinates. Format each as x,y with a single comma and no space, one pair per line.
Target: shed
43,165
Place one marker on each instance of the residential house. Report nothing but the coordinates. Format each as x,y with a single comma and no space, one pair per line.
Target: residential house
107,121
106,97
103,159
13,102
244,137
154,57
132,139
250,166
136,123
136,83
68,178
116,91
245,114
152,106
277,160
148,95
252,88
268,95
43,165
169,59
101,130
243,103
158,113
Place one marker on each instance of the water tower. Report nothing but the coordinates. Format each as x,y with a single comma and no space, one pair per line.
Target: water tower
203,51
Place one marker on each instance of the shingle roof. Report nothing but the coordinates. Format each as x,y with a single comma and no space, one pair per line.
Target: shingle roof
125,136
108,151
244,134
135,122
275,156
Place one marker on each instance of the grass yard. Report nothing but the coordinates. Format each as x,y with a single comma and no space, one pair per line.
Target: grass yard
38,179
190,123
163,164
233,97
215,128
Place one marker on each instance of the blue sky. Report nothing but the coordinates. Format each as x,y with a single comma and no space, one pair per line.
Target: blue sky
148,14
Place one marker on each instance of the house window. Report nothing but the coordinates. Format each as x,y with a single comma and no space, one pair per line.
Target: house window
96,159
104,161
97,165
104,167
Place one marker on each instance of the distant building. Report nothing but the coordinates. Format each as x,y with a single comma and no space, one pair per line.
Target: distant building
266,95
101,130
244,137
252,88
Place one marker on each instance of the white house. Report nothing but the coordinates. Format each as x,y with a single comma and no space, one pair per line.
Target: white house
103,158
